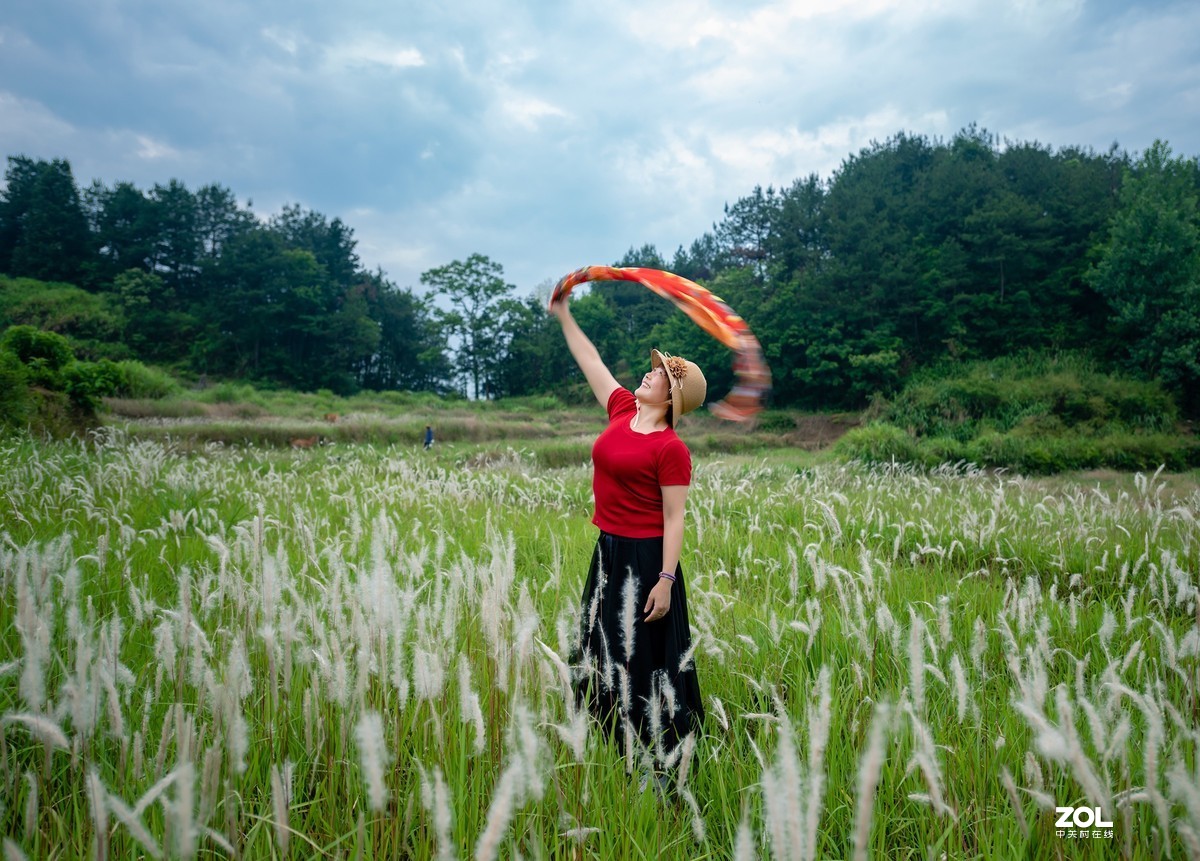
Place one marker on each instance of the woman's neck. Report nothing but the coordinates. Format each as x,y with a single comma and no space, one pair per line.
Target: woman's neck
650,417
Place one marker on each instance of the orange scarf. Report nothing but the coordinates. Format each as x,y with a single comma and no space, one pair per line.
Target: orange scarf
753,377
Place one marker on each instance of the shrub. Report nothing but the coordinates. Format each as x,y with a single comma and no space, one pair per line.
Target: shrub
942,449
958,401
44,354
139,381
228,393
15,402
878,442
87,382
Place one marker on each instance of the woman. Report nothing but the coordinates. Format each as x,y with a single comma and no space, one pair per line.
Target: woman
636,670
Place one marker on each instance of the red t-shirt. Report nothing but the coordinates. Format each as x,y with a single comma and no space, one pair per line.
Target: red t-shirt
631,469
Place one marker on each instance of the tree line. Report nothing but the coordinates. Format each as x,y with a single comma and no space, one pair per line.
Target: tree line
915,252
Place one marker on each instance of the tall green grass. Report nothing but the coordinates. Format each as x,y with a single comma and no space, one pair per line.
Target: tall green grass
356,651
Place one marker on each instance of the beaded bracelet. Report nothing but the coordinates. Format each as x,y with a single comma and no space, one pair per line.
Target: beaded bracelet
667,575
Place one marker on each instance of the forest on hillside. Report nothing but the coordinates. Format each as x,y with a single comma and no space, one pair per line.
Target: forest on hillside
915,253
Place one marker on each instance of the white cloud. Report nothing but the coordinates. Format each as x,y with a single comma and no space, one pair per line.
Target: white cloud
550,134
153,150
373,51
27,126
687,24
774,155
286,41
525,110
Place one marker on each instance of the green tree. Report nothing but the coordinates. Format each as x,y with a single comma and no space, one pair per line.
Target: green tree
175,256
332,243
218,220
43,227
533,361
743,235
124,227
1148,270
154,328
474,288
409,354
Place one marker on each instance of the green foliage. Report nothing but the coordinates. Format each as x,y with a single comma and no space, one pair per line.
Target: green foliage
230,392
15,400
900,580
1037,414
915,252
43,229
1036,391
1043,455
1148,270
878,442
91,322
44,354
87,382
476,291
140,381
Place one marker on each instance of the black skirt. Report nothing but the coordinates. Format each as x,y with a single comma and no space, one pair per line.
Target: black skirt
639,678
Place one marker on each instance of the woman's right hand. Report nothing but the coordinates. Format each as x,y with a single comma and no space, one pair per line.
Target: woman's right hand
561,309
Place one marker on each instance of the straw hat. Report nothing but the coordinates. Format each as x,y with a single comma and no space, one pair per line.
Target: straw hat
688,386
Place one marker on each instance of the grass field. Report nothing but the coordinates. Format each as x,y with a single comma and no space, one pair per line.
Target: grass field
357,651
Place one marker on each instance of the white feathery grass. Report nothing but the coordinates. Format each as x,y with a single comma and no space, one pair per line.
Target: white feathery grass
500,813
629,611
744,848
869,770
819,720
133,824
962,694
698,829
782,787
280,805
32,808
181,810
98,807
470,710
373,757
718,708
42,728
916,661
12,852
435,799
1011,788
574,731
429,674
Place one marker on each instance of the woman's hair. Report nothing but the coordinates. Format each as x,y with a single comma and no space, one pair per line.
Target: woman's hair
670,414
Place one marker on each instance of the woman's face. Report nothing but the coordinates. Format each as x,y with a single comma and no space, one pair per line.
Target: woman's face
654,388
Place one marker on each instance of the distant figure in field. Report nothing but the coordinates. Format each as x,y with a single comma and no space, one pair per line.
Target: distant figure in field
636,669
306,442
428,436
332,418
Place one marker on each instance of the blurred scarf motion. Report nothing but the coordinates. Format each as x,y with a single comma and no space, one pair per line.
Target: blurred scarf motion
752,376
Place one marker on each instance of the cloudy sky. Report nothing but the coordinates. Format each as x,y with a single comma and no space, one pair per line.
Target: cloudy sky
550,135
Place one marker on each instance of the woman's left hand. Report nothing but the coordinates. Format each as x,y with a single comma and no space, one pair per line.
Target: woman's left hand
658,603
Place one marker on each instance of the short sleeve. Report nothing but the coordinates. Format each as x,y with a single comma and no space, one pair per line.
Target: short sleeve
621,401
674,464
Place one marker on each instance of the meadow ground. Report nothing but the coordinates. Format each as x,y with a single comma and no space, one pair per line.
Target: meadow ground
357,650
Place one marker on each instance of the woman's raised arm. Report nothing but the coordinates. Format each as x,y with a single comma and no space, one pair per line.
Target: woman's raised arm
585,354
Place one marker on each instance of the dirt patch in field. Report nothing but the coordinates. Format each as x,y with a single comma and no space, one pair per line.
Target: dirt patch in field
819,431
